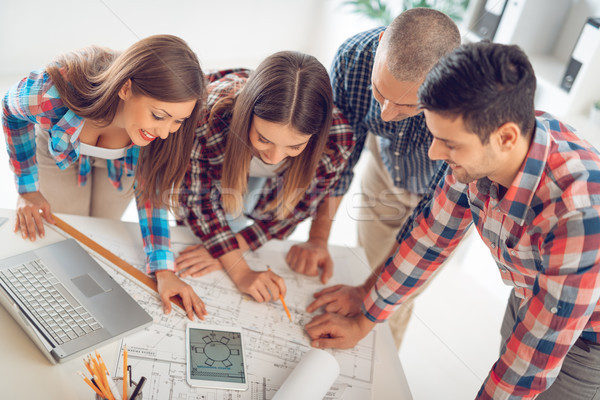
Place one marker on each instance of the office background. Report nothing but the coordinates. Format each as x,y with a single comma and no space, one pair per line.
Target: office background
453,337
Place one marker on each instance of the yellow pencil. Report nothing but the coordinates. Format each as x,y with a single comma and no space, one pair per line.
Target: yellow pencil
285,307
124,372
87,366
101,377
100,384
103,368
86,380
287,311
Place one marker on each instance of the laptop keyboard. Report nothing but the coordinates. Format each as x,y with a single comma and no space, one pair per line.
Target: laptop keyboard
56,310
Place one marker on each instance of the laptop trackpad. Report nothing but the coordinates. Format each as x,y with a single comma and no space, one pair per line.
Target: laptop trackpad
87,285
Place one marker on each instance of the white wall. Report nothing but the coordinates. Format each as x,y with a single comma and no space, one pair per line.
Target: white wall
224,33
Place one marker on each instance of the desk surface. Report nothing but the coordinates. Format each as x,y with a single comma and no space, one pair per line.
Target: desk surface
26,374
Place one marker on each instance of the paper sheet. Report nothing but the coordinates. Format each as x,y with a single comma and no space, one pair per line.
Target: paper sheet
274,345
312,377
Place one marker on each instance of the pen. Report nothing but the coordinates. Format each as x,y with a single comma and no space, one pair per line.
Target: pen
125,372
287,311
86,380
113,387
138,388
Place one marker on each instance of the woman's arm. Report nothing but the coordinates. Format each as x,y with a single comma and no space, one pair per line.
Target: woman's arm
154,224
32,101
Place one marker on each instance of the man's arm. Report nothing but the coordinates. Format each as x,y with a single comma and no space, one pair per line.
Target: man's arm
306,258
432,238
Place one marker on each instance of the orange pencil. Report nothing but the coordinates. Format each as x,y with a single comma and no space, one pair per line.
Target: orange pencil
100,376
87,366
103,369
285,307
287,311
86,380
100,384
124,372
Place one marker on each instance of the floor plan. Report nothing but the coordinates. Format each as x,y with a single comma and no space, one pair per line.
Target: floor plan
274,345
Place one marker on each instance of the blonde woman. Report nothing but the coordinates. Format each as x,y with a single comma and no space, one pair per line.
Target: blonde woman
94,122
272,148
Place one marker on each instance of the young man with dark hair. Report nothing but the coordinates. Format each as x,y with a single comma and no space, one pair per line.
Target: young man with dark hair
531,188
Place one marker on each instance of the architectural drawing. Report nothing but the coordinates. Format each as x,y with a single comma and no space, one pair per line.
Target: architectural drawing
273,344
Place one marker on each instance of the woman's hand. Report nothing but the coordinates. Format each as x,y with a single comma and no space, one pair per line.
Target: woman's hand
31,207
196,261
261,285
170,285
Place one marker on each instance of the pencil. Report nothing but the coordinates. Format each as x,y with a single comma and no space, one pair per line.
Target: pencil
287,311
285,307
86,380
100,377
104,391
87,366
125,372
103,373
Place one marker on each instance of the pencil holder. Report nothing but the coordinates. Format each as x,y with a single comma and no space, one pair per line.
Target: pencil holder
119,385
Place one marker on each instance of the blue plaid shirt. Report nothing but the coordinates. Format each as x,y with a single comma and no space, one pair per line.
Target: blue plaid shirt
35,101
404,144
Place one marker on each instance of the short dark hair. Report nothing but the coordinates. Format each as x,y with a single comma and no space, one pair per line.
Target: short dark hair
487,84
416,40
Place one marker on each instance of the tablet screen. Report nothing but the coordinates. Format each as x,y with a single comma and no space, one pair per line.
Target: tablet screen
216,355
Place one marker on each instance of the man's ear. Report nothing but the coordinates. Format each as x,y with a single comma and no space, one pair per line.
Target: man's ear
507,136
125,91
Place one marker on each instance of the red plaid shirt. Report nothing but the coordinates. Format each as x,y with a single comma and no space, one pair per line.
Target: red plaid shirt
201,191
544,235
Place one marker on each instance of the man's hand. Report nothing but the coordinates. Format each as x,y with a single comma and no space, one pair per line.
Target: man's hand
31,207
306,258
335,331
196,261
339,299
170,285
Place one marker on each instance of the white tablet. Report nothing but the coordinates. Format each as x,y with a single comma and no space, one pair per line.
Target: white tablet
215,357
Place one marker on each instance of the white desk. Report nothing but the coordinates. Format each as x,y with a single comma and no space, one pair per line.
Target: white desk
26,374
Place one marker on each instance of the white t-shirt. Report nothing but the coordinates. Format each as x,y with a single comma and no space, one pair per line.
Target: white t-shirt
259,169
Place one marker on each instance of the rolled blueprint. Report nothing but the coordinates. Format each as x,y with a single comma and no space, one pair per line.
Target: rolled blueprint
312,377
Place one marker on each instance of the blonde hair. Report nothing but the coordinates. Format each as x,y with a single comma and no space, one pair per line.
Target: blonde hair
286,88
162,67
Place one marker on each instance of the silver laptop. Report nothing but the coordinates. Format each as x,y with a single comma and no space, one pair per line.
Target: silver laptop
66,302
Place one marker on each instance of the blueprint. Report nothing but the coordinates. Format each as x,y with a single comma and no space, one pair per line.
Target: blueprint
274,345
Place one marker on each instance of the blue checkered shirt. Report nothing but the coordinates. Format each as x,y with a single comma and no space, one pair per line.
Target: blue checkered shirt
404,144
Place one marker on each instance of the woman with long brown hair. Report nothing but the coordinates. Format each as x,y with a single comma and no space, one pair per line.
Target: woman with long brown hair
97,113
273,146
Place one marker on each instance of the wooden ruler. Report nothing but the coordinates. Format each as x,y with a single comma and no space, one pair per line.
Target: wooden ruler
123,265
